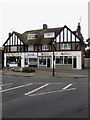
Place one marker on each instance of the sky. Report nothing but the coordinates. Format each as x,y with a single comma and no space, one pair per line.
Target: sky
24,15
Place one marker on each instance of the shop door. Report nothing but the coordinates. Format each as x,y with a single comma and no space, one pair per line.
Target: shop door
74,62
48,62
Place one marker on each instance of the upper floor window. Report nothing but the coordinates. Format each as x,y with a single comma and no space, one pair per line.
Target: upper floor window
49,35
45,47
13,48
65,46
30,48
31,36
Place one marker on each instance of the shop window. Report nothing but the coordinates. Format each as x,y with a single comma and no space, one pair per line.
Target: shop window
67,60
59,59
32,61
42,60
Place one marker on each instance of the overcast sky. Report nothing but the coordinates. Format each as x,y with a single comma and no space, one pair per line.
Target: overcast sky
23,15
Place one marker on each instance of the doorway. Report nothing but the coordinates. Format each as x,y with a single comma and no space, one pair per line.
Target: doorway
74,62
48,62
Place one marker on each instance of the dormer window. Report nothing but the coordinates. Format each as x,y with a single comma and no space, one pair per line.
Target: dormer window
49,35
31,36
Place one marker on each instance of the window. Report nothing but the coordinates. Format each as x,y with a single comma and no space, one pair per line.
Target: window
31,36
49,35
13,48
45,47
32,61
63,59
67,60
65,46
59,59
30,48
42,60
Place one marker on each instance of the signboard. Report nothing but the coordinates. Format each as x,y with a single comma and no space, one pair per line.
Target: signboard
13,54
30,55
45,54
49,35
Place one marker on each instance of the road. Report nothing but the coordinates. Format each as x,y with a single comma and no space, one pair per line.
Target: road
29,97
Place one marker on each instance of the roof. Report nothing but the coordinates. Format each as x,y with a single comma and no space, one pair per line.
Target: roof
39,39
39,36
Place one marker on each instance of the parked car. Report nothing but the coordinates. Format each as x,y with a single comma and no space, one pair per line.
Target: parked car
13,64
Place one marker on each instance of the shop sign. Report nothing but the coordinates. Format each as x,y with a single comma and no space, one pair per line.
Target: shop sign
45,54
13,54
31,55
65,53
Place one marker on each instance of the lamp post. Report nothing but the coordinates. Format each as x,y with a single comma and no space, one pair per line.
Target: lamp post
53,59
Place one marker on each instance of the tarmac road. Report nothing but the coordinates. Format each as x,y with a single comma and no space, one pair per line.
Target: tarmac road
31,97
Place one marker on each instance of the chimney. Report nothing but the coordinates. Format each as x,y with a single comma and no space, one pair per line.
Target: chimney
44,26
9,34
78,31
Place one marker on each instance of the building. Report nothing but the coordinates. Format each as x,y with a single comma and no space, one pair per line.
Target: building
36,47
1,58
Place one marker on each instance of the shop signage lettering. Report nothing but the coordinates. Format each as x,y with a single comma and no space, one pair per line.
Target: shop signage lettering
65,53
45,54
31,55
13,54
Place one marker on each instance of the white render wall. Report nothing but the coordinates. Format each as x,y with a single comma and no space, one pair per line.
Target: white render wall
22,60
4,59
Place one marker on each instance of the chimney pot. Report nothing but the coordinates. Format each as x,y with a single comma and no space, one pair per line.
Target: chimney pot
44,26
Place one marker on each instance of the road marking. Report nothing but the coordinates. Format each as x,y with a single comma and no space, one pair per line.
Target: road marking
67,86
0,88
48,83
16,87
6,84
45,93
37,89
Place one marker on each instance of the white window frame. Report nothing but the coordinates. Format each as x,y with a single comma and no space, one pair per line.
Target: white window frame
68,47
31,36
45,47
30,47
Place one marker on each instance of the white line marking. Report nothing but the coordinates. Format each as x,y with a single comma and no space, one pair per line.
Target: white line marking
6,84
48,83
16,87
36,89
0,88
45,93
67,86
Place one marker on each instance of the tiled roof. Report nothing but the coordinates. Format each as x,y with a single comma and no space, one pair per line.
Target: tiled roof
39,36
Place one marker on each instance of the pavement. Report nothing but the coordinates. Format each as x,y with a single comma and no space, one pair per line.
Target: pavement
47,72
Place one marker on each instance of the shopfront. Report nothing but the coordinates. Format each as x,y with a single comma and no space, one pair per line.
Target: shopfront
12,58
30,59
45,59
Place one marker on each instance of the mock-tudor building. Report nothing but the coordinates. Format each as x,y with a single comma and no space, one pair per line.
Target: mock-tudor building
35,47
